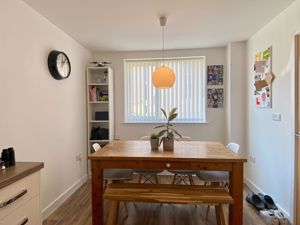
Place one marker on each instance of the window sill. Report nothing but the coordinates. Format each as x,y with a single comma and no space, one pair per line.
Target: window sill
153,122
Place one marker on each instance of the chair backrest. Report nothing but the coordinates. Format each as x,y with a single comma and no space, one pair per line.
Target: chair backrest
96,147
145,138
234,147
184,138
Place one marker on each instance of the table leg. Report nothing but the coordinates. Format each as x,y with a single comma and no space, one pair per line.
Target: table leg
97,193
236,191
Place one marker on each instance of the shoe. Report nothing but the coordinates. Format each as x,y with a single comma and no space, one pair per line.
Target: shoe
270,217
283,220
256,201
268,201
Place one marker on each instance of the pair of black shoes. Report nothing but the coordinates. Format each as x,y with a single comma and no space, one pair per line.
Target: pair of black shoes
260,201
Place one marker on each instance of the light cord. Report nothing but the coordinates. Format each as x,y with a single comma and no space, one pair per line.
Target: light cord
163,44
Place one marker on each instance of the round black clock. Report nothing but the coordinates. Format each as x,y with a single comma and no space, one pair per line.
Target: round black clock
59,65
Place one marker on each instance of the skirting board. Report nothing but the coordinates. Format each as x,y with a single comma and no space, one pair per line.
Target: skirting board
62,198
256,189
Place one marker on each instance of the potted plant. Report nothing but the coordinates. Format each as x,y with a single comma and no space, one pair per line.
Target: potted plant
154,141
168,132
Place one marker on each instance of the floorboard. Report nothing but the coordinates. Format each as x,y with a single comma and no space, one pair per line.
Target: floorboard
77,211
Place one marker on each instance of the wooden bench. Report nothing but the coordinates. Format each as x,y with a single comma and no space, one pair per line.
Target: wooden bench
167,193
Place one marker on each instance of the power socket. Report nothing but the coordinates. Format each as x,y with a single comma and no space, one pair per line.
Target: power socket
252,159
78,157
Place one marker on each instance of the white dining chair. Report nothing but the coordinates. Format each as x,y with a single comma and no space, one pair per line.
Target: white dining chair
114,175
180,176
217,177
145,175
145,138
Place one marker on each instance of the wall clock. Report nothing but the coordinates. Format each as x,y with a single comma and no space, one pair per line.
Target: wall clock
59,65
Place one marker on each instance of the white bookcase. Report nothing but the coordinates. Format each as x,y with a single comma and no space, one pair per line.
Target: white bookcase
100,99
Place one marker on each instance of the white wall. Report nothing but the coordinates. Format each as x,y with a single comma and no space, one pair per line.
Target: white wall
214,130
236,95
42,118
271,142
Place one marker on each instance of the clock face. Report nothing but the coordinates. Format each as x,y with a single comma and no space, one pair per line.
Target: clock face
63,65
59,65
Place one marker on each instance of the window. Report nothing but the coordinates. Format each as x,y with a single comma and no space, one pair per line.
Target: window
143,101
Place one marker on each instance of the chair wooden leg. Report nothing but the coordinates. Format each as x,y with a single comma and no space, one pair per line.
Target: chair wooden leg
217,209
113,213
191,179
222,214
140,178
117,213
126,209
156,179
105,183
174,178
207,212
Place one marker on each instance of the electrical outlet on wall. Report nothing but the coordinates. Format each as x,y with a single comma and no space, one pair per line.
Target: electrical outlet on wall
276,116
252,159
78,157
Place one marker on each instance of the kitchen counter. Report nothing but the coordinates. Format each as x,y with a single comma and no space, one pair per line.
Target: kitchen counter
17,172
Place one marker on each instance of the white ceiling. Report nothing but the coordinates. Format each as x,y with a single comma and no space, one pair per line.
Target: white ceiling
119,25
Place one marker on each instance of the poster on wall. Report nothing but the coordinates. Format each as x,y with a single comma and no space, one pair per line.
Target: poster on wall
215,97
263,79
215,75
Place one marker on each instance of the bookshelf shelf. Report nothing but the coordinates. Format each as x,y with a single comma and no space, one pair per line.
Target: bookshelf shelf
98,121
99,102
98,141
98,84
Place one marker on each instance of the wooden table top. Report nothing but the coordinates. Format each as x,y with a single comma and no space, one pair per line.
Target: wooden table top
183,151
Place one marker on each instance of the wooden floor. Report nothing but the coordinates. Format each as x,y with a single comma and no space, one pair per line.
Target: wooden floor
77,211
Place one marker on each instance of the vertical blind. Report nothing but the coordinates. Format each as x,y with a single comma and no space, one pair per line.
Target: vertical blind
143,101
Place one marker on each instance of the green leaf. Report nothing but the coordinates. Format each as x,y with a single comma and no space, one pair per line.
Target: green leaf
172,111
176,132
172,117
161,133
160,126
164,112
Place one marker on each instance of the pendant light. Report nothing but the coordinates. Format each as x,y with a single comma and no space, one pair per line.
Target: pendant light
163,77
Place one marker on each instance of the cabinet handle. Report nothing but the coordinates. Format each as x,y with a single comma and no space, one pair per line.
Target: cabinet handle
25,220
12,199
168,165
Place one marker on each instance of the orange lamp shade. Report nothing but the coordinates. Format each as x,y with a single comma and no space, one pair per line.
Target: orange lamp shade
163,77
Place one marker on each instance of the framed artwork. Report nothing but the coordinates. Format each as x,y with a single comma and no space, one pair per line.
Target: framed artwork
262,79
215,97
215,75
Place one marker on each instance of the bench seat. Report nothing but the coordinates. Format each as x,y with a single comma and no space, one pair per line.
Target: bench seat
167,193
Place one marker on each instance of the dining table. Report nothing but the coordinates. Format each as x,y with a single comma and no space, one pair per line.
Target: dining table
187,155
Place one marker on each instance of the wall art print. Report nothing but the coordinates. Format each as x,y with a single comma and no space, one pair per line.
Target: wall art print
215,97
215,75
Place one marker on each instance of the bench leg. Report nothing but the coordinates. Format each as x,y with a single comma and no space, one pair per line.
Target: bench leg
113,213
217,210
222,214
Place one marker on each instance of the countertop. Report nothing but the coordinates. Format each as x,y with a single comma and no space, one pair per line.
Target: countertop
17,172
